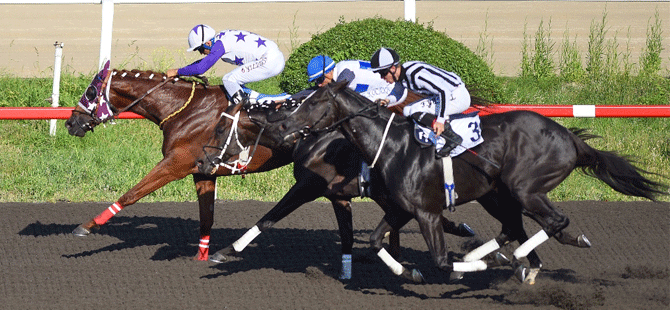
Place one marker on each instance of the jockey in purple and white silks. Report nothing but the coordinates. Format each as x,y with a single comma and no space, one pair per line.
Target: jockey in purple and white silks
322,70
450,95
257,58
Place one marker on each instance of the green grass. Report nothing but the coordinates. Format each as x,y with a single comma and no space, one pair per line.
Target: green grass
105,164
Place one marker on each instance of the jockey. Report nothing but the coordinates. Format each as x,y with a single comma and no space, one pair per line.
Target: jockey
322,70
451,95
257,58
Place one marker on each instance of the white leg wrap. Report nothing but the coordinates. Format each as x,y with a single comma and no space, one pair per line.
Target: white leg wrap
250,235
396,267
531,244
481,251
477,265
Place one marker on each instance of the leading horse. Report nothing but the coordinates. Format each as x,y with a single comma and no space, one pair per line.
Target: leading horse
187,113
524,155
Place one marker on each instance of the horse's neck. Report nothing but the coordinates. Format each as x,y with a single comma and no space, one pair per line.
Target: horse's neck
369,133
157,104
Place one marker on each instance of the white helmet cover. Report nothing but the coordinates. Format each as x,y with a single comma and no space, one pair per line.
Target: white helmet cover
199,35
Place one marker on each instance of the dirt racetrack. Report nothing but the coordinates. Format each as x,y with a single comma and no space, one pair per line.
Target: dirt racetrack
142,260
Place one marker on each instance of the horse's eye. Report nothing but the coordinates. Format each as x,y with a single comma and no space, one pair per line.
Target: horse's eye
91,93
220,129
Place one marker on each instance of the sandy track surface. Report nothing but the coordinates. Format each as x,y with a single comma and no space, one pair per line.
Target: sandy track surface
152,35
141,259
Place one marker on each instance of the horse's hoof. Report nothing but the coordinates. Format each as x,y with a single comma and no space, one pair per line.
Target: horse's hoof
222,255
417,277
217,258
81,232
455,276
530,277
414,276
583,242
499,259
521,272
464,230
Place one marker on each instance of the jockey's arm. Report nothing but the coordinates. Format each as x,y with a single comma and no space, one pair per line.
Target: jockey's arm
201,66
397,95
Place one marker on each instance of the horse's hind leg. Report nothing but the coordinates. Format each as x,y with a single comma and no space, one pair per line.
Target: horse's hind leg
552,221
205,187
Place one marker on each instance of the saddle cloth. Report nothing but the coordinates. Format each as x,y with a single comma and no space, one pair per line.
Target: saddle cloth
468,126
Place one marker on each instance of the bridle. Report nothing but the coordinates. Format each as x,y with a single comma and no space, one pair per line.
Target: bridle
306,130
100,95
239,165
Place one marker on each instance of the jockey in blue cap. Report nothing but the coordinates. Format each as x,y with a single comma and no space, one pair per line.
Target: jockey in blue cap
322,70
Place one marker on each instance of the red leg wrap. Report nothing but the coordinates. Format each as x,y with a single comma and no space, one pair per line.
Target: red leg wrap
203,248
108,213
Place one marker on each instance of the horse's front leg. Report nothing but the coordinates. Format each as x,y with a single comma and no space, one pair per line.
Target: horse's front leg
300,193
205,187
343,215
377,247
163,173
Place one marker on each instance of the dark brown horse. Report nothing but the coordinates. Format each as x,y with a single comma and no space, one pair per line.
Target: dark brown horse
325,166
187,113
524,155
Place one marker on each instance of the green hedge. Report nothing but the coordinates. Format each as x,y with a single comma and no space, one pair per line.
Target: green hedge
413,41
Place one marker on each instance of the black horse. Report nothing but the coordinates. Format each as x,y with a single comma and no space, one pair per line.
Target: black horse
328,166
523,157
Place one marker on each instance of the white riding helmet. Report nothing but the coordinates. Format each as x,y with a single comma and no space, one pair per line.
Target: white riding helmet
199,35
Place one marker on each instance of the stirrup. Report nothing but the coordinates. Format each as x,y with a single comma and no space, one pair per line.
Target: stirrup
451,141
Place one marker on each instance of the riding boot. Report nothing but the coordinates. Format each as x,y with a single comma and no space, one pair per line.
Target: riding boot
451,139
239,97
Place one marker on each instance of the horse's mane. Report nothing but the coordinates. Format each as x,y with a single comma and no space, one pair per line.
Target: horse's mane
149,75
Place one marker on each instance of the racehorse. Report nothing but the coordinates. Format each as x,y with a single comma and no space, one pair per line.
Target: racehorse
327,166
524,155
187,113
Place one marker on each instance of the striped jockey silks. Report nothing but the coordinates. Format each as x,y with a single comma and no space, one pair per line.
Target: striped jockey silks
108,213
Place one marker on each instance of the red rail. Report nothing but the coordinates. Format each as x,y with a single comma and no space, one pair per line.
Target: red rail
583,110
29,113
47,113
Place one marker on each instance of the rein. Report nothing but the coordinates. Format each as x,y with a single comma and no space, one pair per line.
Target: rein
175,112
307,131
132,104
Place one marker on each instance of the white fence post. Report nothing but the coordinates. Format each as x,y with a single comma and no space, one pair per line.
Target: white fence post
106,32
410,10
55,90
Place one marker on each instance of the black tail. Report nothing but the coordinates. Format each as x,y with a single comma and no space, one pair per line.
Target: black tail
617,171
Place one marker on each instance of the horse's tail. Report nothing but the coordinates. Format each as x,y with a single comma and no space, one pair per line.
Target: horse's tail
615,170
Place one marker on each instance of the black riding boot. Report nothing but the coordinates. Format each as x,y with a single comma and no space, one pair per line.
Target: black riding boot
452,140
239,97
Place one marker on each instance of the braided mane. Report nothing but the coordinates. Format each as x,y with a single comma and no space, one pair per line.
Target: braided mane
147,75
